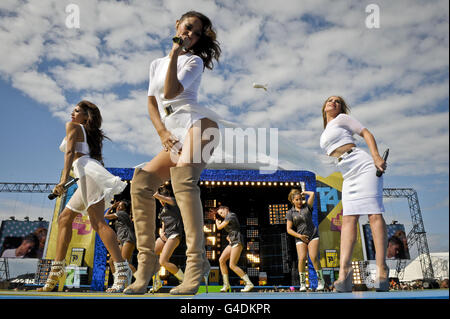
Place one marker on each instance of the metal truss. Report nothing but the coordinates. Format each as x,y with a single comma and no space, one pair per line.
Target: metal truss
4,269
27,187
417,235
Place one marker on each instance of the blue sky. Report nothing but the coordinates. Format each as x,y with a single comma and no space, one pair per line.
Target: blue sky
395,79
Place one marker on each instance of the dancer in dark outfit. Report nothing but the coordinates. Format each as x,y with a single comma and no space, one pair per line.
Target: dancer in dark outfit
233,250
300,225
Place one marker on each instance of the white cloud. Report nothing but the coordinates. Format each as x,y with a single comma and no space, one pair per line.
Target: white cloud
40,87
395,78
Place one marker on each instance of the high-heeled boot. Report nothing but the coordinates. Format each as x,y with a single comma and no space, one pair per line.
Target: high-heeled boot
226,283
248,284
302,282
320,280
143,185
187,195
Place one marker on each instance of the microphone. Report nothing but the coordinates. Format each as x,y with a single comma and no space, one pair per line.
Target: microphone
180,42
177,40
52,196
385,156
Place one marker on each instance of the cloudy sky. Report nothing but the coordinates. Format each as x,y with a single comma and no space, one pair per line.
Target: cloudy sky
394,76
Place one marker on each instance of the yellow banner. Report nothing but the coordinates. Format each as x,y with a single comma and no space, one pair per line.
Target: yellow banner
330,217
83,236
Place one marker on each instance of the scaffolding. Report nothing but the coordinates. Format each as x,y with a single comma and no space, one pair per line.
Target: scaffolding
417,235
26,187
4,269
20,188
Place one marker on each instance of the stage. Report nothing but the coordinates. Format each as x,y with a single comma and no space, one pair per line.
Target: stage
356,295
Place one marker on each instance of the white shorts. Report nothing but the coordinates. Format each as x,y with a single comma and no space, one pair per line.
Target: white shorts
173,236
95,183
362,190
303,243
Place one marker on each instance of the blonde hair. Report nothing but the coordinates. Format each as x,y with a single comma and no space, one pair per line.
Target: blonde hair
344,108
294,192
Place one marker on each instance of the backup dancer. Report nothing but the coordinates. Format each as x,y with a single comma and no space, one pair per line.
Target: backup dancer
300,225
120,211
234,249
180,123
362,190
169,235
96,186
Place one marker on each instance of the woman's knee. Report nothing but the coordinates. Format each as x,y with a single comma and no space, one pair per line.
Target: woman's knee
223,261
374,218
99,225
302,258
163,261
66,217
234,266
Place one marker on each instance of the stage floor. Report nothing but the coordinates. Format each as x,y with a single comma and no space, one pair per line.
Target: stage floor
414,294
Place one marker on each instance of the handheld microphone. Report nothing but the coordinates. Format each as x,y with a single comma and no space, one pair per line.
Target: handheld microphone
52,196
177,40
385,156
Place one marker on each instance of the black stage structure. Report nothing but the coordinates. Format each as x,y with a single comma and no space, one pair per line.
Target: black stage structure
260,201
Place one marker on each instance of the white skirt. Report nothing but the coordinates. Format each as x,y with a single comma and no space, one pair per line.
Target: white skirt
362,190
95,183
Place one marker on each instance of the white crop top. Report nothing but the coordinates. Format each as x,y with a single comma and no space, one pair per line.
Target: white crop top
339,131
80,147
189,73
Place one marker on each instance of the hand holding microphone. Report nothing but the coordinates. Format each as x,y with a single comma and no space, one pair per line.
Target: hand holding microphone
66,186
183,43
177,40
385,156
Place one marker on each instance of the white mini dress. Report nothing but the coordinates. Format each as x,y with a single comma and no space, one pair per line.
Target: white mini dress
95,182
185,109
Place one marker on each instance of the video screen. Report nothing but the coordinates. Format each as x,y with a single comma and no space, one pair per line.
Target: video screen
397,242
22,239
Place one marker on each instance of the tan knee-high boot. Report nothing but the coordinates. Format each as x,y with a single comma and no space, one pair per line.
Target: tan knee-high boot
143,186
187,195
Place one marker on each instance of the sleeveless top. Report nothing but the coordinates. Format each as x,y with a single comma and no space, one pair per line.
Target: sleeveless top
80,147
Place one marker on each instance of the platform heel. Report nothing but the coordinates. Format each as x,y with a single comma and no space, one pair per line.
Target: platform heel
383,285
346,284
122,277
57,271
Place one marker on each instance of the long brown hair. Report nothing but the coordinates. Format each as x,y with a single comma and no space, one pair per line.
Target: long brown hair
207,47
94,133
344,109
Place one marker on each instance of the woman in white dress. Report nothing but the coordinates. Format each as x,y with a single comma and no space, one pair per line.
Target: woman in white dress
82,149
180,123
362,189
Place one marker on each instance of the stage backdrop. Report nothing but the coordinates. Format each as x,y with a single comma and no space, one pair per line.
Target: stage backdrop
328,190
